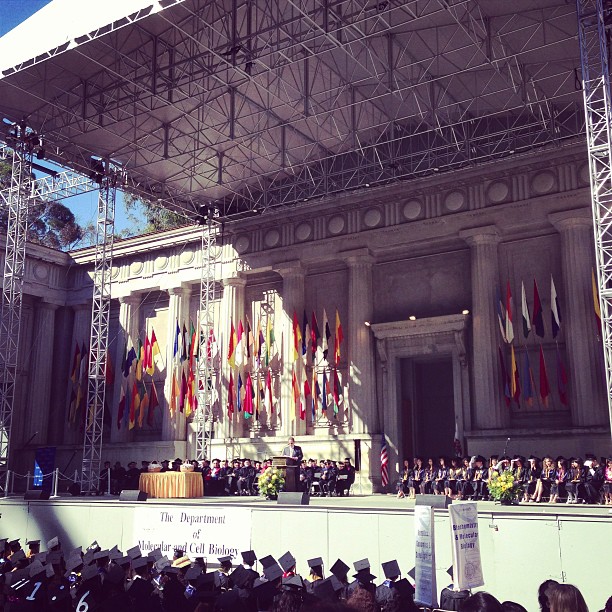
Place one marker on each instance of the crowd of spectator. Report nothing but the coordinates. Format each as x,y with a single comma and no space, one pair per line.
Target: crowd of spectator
571,480
236,477
90,580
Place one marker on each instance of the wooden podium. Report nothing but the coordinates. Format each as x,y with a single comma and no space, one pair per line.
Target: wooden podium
290,469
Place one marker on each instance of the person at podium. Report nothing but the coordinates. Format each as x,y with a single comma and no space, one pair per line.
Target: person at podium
293,451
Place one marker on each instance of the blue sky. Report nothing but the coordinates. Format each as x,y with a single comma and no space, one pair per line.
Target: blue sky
84,207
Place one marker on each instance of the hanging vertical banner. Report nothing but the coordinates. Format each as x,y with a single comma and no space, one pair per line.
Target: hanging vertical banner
425,557
467,566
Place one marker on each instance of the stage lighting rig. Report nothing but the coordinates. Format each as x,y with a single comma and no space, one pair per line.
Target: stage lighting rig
20,132
206,212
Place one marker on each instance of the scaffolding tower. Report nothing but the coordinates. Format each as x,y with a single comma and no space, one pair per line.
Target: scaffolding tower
110,177
594,21
23,141
204,416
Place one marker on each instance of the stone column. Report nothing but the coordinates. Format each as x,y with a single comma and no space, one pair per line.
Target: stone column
488,411
39,391
587,399
128,332
362,377
81,331
293,300
174,428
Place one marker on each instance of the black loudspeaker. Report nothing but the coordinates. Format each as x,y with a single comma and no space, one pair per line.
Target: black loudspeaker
440,502
36,494
132,495
301,498
74,489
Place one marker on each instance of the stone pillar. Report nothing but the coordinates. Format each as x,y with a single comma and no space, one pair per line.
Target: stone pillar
293,300
81,332
175,427
128,332
362,377
488,411
232,310
587,399
39,391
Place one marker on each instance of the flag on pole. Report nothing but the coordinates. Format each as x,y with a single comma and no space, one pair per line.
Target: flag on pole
269,398
260,396
109,370
384,462
596,306
260,342
240,341
295,391
307,394
248,396
129,360
525,312
537,316
134,405
515,382
144,403
555,311
509,323
153,403
339,337
326,335
177,335
147,363
231,351
337,392
528,382
76,363
269,340
121,407
249,340
230,395
305,333
184,344
505,377
316,391
544,384
239,393
501,314
139,359
297,337
156,355
561,379
324,392
183,393
314,335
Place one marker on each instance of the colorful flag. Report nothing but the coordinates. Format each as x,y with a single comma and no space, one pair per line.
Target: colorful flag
555,311
305,333
307,394
121,407
249,394
260,396
148,357
269,340
326,335
193,344
109,370
537,317
528,382
177,335
260,342
134,405
505,377
269,398
297,337
314,335
231,351
324,393
295,391
515,381
184,344
337,393
561,379
155,352
144,403
76,363
249,339
230,395
316,391
544,384
240,341
501,313
139,359
239,394
525,312
183,393
509,323
84,364
153,403
339,337
596,306
384,462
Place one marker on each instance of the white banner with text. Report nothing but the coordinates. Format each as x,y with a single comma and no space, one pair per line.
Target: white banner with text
467,565
425,557
205,532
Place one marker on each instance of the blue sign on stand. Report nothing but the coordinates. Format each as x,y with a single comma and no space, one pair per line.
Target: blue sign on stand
44,464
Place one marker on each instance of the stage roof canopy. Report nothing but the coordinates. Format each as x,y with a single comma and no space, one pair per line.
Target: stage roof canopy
258,103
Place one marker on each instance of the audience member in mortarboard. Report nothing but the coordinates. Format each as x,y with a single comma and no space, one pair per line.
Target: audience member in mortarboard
140,589
33,549
248,560
287,562
14,546
362,599
222,574
114,597
339,571
54,544
173,592
316,572
363,577
594,479
178,553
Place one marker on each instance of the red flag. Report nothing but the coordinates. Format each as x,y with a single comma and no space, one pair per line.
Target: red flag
314,334
134,404
153,403
269,401
109,370
231,357
505,377
248,395
230,395
516,379
121,407
147,361
307,394
297,337
544,385
537,318
183,392
338,338
337,392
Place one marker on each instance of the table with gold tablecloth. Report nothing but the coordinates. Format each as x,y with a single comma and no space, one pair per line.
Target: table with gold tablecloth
172,484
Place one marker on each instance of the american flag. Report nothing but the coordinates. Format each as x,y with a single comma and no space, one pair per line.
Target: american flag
384,462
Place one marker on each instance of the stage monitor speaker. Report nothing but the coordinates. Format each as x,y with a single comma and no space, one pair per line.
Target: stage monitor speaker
36,494
74,489
300,498
440,502
132,495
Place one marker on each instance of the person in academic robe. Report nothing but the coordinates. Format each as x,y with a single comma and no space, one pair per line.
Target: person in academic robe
328,478
450,484
222,582
574,487
343,485
478,473
394,594
594,479
416,479
246,476
430,473
531,480
557,488
402,483
440,476
545,481
607,484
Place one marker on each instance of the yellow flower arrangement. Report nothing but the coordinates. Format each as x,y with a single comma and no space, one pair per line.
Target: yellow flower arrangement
503,487
271,481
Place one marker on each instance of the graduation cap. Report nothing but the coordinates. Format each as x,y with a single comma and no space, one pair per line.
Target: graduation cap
206,582
162,563
404,588
156,554
450,572
292,583
115,575
53,543
248,557
240,577
73,563
94,546
142,563
76,551
13,578
49,571
122,562
412,574
339,569
102,554
14,544
316,562
272,572
391,569
134,553
324,589
179,552
171,571
287,561
192,574
32,543
225,560
17,556
36,567
182,562
363,564
88,557
267,561
338,586
264,591
89,572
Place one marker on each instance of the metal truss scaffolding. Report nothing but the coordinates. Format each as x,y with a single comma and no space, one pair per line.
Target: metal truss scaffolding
20,192
594,20
204,412
100,316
